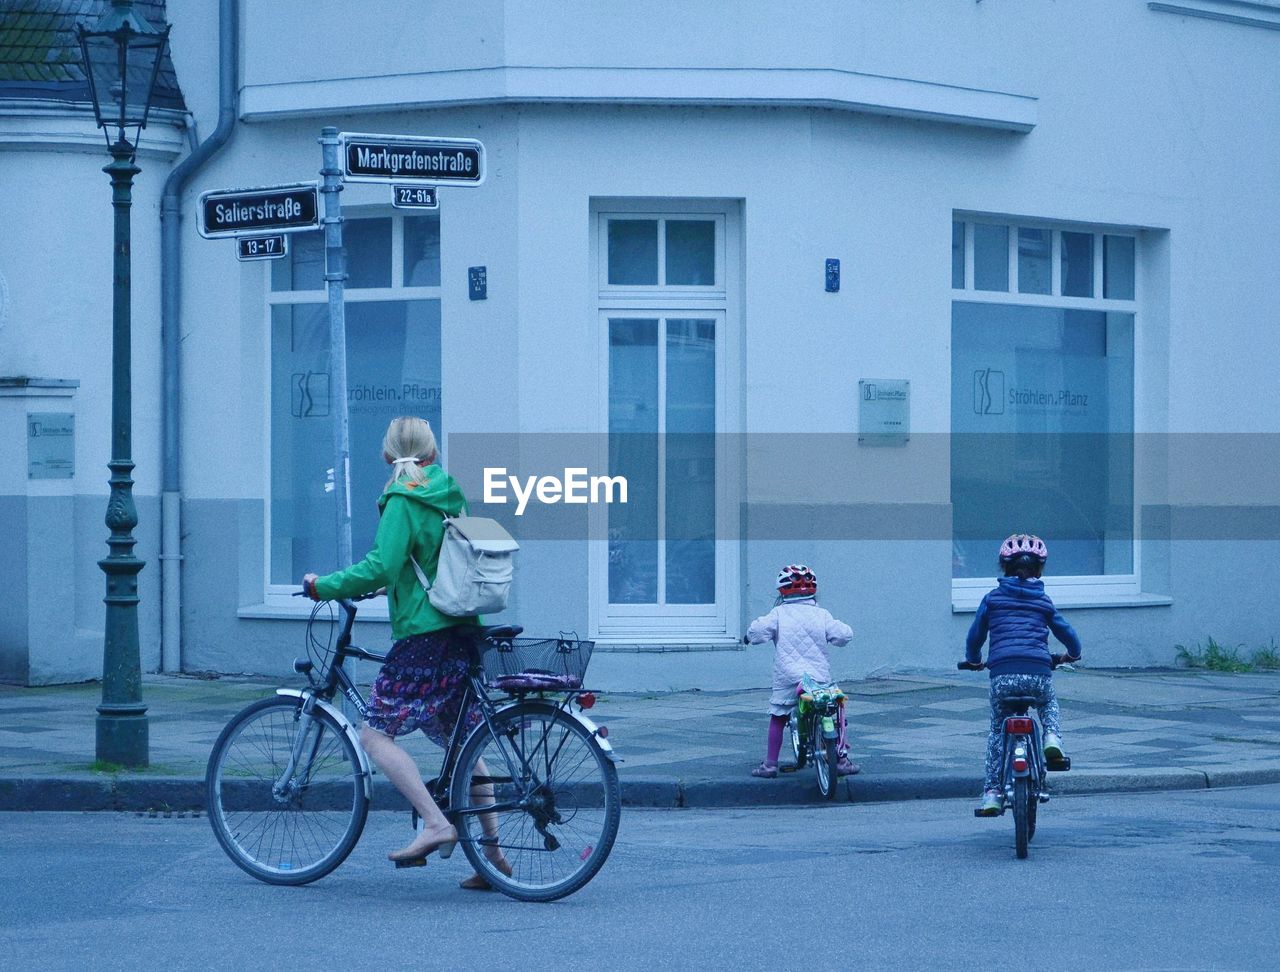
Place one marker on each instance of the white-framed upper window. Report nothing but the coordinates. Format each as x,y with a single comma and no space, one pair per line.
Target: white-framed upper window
393,368
1043,321
648,253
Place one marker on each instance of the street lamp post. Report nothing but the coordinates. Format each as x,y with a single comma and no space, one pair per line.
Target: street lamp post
122,55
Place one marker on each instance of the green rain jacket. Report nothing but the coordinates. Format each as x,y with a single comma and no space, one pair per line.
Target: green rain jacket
412,522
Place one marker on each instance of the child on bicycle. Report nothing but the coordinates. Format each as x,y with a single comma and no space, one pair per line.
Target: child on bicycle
801,631
1018,615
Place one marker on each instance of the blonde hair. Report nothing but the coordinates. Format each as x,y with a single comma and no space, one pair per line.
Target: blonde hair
409,441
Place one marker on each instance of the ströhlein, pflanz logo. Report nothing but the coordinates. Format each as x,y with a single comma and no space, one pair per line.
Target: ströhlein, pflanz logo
988,392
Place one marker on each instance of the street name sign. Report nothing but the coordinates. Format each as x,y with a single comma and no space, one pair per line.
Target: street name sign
414,197
293,208
416,158
262,247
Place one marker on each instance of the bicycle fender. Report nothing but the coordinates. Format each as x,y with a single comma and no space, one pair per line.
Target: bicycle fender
586,724
601,741
591,727
366,773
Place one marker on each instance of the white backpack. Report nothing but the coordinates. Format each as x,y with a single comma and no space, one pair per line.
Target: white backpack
473,575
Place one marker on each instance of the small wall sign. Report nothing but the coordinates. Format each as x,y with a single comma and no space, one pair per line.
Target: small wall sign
51,445
478,283
884,411
833,276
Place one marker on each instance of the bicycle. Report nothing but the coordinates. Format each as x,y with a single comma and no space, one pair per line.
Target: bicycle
1023,779
289,786
817,728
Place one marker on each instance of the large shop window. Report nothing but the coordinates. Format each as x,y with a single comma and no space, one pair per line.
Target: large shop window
1042,413
393,368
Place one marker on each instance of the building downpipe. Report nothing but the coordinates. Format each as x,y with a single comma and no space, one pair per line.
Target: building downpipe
171,341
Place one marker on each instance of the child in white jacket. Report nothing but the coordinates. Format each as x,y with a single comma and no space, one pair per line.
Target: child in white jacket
801,631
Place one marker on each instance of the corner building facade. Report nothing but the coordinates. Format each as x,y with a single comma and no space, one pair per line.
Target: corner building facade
1052,312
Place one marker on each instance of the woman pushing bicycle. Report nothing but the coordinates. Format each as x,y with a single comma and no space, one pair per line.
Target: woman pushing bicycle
423,681
1018,615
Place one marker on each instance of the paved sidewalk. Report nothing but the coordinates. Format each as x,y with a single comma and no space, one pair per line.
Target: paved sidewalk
916,735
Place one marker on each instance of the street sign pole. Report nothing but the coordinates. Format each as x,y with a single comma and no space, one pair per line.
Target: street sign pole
335,275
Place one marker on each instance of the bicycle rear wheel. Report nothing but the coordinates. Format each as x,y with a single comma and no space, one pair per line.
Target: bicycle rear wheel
1033,805
285,829
1021,813
555,798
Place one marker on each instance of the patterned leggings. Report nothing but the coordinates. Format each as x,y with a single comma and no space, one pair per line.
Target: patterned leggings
1039,687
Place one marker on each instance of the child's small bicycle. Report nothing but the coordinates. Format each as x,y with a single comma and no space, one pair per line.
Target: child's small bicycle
817,730
1023,777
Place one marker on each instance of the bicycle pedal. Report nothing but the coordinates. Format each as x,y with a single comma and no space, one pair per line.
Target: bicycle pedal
1044,798
787,769
1058,765
412,862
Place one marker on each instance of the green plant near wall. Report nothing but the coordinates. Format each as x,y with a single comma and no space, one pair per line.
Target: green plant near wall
1267,658
1217,657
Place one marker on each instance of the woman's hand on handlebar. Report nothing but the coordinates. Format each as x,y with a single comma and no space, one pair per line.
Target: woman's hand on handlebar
309,586
968,666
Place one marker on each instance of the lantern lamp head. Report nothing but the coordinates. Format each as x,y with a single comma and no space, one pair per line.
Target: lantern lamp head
121,55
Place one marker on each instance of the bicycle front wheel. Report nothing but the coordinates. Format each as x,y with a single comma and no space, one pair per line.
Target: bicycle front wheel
287,797
794,730
826,758
537,795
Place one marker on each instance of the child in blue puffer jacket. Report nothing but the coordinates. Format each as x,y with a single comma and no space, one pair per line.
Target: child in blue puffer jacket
1018,615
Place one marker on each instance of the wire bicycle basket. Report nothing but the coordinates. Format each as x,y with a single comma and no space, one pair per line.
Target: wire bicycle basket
536,664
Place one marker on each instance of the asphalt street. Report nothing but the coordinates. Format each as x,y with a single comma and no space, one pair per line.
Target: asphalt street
1172,880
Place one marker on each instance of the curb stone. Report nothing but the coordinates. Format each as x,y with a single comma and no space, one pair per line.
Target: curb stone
186,793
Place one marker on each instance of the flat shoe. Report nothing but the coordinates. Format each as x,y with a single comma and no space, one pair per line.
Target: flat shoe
416,854
477,882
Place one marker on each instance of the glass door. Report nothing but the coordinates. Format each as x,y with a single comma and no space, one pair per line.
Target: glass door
663,386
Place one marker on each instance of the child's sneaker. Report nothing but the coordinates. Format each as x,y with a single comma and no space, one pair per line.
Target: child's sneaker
847,767
992,804
1053,748
766,770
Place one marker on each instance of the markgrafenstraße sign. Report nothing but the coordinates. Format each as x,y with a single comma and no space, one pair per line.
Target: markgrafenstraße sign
405,158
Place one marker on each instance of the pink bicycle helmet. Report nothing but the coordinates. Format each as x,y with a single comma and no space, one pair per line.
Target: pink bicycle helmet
797,580
1023,545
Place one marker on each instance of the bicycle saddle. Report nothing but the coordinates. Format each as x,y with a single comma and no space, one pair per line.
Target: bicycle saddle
501,632
1018,704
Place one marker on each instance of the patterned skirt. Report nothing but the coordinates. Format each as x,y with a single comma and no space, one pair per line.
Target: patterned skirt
421,686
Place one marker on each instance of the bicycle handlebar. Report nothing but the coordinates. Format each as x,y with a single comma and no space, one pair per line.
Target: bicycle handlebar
1054,661
306,592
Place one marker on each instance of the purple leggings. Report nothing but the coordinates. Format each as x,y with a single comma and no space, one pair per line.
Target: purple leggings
776,726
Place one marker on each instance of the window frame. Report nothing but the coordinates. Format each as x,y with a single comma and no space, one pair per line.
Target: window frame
1067,590
717,290
279,597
